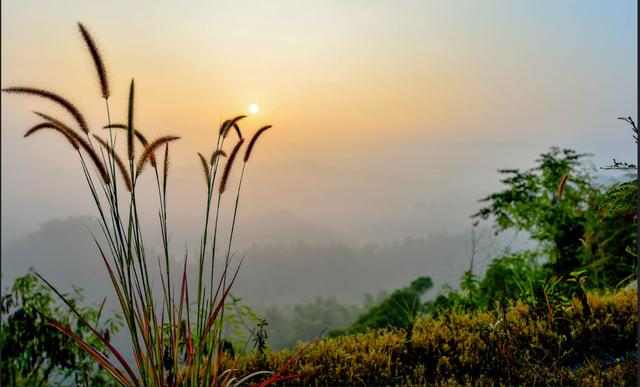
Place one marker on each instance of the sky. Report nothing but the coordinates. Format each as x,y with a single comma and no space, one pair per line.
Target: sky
390,118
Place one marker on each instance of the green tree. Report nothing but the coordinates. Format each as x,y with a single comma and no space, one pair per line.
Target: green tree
512,276
508,276
611,236
550,202
396,311
35,353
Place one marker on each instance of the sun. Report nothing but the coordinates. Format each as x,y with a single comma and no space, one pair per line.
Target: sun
254,108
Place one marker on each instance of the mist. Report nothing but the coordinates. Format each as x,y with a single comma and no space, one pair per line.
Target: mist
389,126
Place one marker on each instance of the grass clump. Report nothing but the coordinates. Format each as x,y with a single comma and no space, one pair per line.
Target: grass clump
173,342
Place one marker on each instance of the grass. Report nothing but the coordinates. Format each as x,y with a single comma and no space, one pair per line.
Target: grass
172,343
512,344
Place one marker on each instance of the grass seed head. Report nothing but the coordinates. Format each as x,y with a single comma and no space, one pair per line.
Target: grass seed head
252,143
205,169
97,60
150,149
227,168
65,103
47,125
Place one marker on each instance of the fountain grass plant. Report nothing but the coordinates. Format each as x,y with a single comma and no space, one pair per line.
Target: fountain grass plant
172,343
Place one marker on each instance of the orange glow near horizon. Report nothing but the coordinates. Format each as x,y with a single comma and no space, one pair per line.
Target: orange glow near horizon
398,99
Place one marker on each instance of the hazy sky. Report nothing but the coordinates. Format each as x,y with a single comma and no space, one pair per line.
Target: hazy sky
390,118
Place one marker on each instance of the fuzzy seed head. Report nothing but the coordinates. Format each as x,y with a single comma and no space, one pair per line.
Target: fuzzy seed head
97,60
252,143
227,168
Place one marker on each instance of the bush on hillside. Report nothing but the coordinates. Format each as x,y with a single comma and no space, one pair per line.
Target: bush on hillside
513,343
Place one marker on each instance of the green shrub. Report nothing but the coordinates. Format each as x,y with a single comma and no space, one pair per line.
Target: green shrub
610,237
36,353
396,311
512,344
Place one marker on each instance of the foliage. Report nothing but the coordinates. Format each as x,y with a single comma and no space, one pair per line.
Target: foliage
581,227
623,165
510,276
33,351
240,322
549,201
396,311
579,224
512,344
260,337
611,238
620,198
514,276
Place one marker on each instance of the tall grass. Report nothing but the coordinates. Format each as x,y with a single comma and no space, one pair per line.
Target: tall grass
172,343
